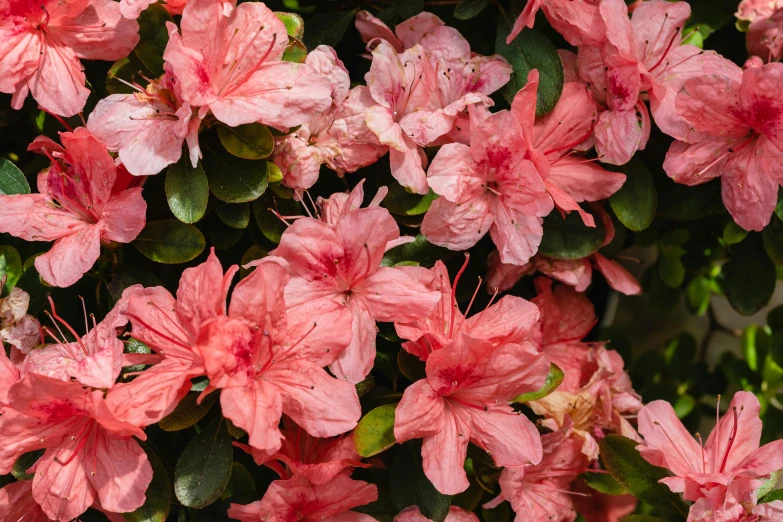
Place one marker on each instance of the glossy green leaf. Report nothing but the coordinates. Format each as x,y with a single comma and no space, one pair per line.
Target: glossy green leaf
187,190
188,412
637,200
419,250
293,24
204,468
411,367
553,380
603,483
327,28
271,225
775,494
769,484
24,463
400,201
157,503
531,50
749,277
772,236
467,9
375,431
12,180
10,266
170,241
637,476
252,141
570,238
235,215
411,487
733,233
154,36
295,51
233,179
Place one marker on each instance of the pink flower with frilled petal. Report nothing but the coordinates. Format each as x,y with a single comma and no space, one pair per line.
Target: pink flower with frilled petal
230,64
752,10
455,514
90,455
337,137
336,260
297,499
133,8
18,328
579,21
41,43
765,36
741,121
82,203
465,398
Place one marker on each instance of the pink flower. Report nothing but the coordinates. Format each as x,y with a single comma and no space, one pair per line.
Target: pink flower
507,321
456,514
337,137
81,204
642,54
731,460
539,493
764,36
90,452
133,8
41,43
316,459
17,503
752,10
337,263
579,21
465,399
740,119
296,499
491,185
230,64
268,360
597,507
18,328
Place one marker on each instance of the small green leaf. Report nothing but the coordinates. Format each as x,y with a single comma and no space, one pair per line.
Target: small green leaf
154,36
467,9
775,494
420,250
10,266
252,141
293,24
570,238
235,215
375,431
500,513
129,69
295,51
12,180
400,201
240,484
157,503
188,412
603,483
749,277
187,190
271,225
170,241
773,240
769,484
553,380
24,463
636,201
411,367
733,233
233,179
637,476
670,266
531,50
411,487
327,28
699,293
204,468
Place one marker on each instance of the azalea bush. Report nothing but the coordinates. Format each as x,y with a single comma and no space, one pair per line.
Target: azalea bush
356,261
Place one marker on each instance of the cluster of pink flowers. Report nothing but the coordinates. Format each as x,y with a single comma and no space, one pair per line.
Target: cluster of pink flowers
286,350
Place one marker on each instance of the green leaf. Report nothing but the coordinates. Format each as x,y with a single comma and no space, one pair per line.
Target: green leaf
154,37
775,318
680,354
271,225
570,238
204,468
375,431
240,484
12,180
169,241
733,233
773,240
699,293
129,69
235,215
293,24
420,250
188,412
684,203
400,201
187,190
749,277
24,463
411,487
295,51
775,494
252,141
670,266
467,9
157,503
769,484
637,476
500,513
553,380
637,200
327,28
10,266
603,483
411,367
233,179
408,8
531,50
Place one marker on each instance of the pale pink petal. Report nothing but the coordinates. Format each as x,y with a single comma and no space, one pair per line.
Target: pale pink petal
407,167
666,441
443,455
62,490
508,436
370,28
17,503
523,107
730,446
749,194
364,234
390,295
100,32
508,321
515,234
579,21
20,55
420,413
618,136
356,361
525,19
256,409
70,257
58,83
617,276
411,31
34,217
190,67
124,216
708,103
457,226
121,472
659,23
325,61
693,164
454,175
584,181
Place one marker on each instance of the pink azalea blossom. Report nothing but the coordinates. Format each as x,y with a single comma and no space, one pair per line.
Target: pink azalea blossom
82,202
740,119
230,65
597,507
18,328
41,44
492,185
644,54
465,398
316,459
507,321
133,8
455,514
764,36
17,503
752,10
336,260
539,493
90,452
297,499
337,137
579,21
731,462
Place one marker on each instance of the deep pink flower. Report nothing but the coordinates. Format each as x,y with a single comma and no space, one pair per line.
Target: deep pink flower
456,514
465,399
82,203
296,499
741,121
41,43
230,63
491,185
90,452
579,21
336,261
